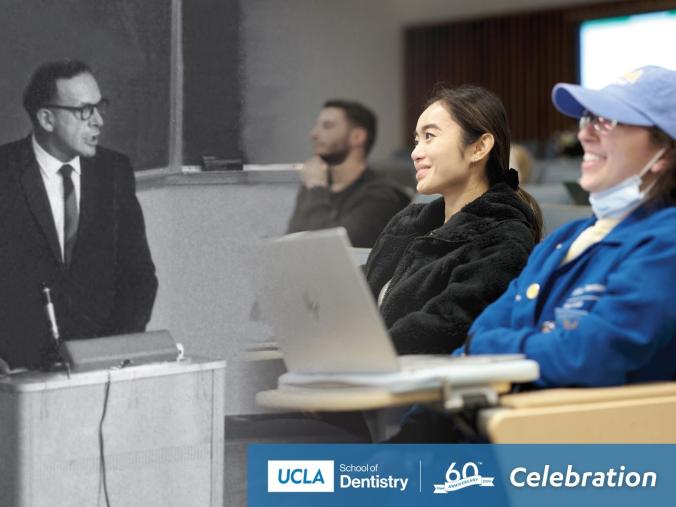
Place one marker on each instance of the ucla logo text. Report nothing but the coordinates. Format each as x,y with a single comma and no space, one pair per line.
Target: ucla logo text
309,476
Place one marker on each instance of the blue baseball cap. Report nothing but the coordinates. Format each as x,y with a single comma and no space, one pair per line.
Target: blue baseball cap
645,97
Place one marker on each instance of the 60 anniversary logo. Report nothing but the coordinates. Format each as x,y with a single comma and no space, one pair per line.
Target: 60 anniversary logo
456,480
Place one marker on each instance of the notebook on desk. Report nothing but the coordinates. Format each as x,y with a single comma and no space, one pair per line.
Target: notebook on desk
314,295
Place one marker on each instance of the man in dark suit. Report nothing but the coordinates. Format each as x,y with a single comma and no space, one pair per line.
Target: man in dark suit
70,221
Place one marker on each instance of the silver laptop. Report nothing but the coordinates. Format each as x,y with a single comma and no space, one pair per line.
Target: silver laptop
314,295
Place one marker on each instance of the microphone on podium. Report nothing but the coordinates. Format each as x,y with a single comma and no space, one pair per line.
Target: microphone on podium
51,314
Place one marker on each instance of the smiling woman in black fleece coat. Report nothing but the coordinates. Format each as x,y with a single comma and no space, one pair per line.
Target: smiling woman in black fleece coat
436,266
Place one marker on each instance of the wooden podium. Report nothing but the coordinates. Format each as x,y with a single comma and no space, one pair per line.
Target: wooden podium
162,436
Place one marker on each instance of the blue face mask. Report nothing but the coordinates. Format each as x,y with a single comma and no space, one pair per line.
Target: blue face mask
620,199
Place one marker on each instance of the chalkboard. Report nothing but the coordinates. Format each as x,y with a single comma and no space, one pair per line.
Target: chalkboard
128,45
211,91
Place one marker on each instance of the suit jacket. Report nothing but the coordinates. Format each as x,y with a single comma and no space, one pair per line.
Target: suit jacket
109,286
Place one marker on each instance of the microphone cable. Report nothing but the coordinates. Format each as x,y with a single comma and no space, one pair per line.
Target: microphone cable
103,479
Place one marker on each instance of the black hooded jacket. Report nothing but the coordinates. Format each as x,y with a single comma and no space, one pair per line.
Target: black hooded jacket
444,274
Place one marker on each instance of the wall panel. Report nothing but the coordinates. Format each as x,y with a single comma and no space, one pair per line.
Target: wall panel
520,57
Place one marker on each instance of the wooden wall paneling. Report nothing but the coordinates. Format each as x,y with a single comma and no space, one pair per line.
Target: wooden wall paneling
519,57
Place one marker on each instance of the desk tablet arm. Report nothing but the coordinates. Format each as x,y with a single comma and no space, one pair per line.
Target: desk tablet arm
460,398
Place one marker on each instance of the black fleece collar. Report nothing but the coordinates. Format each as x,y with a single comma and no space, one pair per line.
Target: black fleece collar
498,204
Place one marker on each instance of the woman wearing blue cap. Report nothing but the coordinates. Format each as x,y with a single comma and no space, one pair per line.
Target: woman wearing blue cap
594,305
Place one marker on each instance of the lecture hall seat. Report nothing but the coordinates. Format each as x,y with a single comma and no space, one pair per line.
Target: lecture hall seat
639,413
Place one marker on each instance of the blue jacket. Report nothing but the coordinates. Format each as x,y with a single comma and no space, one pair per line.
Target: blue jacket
605,318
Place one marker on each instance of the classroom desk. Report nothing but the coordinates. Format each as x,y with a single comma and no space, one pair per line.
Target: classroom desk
381,407
346,398
339,399
342,399
639,413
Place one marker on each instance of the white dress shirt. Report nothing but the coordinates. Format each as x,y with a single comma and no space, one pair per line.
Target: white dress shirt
49,169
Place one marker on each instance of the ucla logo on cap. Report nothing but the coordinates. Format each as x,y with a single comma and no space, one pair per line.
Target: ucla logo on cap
630,77
308,476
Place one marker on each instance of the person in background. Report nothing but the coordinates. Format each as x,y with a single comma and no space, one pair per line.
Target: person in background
436,266
69,221
338,189
521,160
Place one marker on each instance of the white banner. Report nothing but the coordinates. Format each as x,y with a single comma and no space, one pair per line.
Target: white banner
476,480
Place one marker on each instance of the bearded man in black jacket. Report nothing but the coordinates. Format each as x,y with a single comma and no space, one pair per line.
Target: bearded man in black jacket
339,190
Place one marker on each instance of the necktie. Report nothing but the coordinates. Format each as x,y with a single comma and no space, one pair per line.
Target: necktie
70,214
